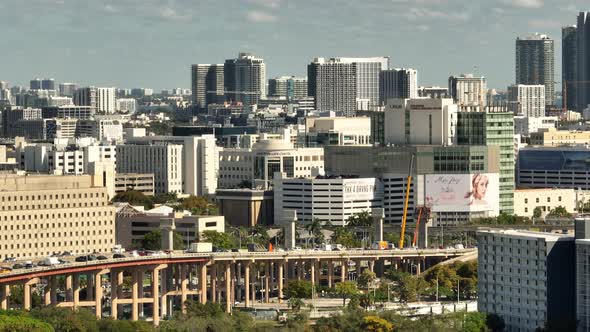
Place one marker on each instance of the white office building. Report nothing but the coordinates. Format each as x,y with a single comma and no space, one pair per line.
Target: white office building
346,84
64,156
257,166
420,121
106,100
526,277
525,125
398,83
468,91
330,199
199,160
163,160
338,131
527,100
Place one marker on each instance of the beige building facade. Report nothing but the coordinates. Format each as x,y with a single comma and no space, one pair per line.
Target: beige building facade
554,137
526,200
45,214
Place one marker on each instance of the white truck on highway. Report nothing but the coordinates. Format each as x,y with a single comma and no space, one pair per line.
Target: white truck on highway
201,247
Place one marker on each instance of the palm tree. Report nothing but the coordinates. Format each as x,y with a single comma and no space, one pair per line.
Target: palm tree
315,228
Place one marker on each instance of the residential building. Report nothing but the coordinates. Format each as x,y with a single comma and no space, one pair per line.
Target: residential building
420,121
162,159
207,84
468,91
554,167
144,183
569,50
330,199
244,79
46,214
133,224
106,100
555,137
289,87
527,100
431,167
126,105
433,92
337,131
524,125
398,83
257,166
345,84
526,277
535,63
546,199
493,126
246,207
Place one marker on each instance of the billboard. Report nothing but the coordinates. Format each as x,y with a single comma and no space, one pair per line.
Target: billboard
462,192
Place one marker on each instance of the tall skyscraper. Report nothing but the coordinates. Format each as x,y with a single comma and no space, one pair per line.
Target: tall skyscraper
582,77
86,97
35,84
67,89
535,63
245,79
48,84
290,87
345,84
398,83
568,66
468,91
207,84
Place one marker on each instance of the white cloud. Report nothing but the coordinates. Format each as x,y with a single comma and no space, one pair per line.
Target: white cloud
524,3
266,3
415,13
260,16
173,14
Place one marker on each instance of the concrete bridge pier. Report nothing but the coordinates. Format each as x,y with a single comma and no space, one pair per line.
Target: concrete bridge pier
4,294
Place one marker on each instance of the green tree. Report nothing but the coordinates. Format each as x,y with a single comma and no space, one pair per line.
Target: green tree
346,289
197,205
537,212
298,289
153,241
295,303
219,240
63,319
366,278
559,212
134,198
345,237
376,324
165,198
23,324
495,323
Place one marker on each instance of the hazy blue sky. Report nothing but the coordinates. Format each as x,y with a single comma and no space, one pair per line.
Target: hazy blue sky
151,43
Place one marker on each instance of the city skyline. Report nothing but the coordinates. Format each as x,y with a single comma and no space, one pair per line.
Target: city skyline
155,42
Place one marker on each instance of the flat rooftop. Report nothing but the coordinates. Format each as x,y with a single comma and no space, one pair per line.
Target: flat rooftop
529,234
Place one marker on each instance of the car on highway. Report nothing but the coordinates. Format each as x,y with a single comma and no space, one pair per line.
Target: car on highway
101,257
18,266
9,260
81,258
119,256
29,265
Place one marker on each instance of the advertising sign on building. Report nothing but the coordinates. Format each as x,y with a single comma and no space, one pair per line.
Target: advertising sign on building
462,192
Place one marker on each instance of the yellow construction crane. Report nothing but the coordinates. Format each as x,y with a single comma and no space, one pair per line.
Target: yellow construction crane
406,202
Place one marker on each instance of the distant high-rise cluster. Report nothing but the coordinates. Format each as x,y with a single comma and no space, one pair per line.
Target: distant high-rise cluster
576,63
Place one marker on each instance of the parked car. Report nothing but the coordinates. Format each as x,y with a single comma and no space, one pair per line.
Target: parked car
82,258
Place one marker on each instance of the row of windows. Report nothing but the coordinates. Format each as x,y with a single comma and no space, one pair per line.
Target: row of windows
21,198
59,216
52,235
